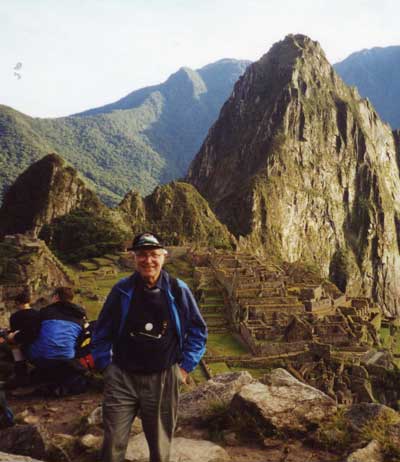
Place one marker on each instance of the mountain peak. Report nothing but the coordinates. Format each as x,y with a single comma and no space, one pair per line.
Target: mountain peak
295,159
46,190
294,69
187,81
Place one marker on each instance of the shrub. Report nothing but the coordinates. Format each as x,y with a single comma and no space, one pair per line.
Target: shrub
81,235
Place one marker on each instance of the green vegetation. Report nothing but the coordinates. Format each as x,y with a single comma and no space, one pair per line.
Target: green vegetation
378,429
93,290
335,433
178,212
386,338
148,137
219,368
8,254
81,235
224,345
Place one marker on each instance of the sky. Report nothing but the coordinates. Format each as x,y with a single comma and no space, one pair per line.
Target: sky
79,54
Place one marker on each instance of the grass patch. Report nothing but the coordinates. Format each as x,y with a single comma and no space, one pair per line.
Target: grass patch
396,343
112,257
379,429
98,286
225,345
92,308
211,305
198,375
179,268
102,261
219,368
88,266
255,372
335,434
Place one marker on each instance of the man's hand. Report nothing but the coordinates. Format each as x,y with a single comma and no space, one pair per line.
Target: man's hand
185,375
11,335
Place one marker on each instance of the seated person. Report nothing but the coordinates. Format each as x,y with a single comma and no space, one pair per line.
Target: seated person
54,349
24,328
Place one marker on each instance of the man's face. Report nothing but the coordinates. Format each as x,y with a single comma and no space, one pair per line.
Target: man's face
149,263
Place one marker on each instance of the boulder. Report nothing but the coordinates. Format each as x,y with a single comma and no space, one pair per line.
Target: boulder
371,453
363,414
91,442
5,457
195,405
24,440
183,450
61,447
284,403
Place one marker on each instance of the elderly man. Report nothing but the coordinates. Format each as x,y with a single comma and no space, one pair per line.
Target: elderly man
149,336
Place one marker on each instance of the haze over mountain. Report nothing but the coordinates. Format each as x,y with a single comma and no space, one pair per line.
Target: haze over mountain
146,138
299,167
376,74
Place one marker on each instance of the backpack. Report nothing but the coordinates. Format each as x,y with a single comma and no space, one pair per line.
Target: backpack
83,348
176,291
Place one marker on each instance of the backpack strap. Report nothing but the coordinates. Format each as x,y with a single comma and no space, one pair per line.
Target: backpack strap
176,291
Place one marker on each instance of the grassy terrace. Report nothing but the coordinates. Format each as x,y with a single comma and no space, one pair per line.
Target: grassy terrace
225,345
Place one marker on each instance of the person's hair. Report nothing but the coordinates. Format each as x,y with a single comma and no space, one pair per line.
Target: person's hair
23,298
64,294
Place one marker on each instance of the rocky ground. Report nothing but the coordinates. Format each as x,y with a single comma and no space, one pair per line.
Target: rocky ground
67,416
231,417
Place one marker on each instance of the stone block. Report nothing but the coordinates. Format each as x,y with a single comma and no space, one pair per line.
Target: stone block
195,406
284,402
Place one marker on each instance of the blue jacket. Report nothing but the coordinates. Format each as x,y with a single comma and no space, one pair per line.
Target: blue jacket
190,325
61,325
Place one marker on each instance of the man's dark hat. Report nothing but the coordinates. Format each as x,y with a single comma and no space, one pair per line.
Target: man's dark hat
146,241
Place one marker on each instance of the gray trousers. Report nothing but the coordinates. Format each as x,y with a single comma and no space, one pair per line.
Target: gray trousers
156,395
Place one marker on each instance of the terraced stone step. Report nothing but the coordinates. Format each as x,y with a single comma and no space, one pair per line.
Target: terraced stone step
260,286
216,322
212,310
254,293
292,307
270,301
218,330
212,292
256,284
214,315
207,303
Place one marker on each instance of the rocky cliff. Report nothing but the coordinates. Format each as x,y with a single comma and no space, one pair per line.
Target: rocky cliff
177,212
49,189
299,166
27,263
46,190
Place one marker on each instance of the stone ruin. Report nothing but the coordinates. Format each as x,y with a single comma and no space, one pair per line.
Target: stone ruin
27,263
324,337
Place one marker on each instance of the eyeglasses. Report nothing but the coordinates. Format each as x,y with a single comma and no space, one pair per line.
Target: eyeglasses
142,255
